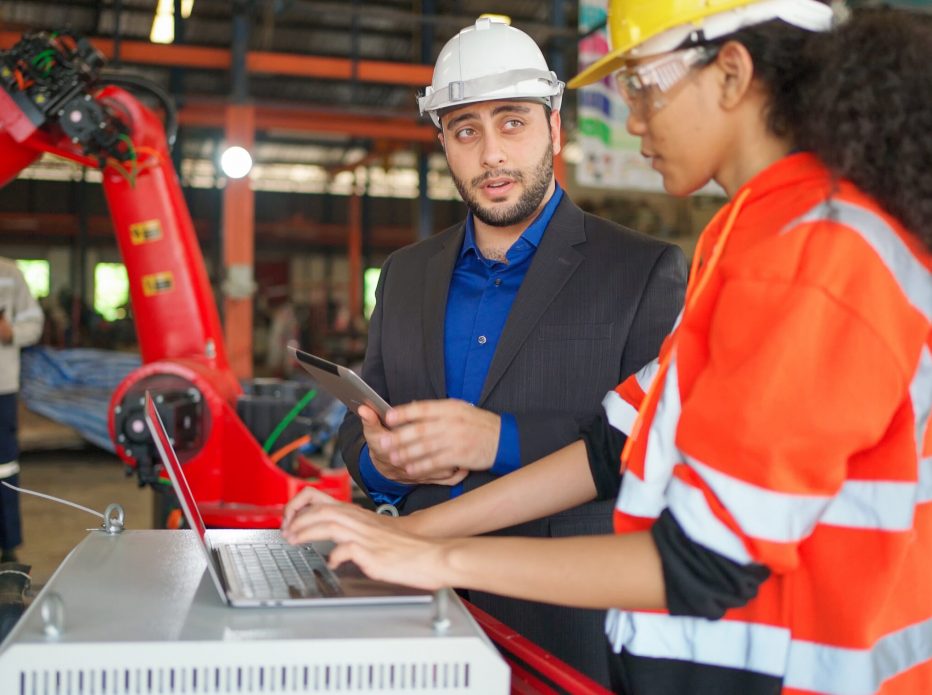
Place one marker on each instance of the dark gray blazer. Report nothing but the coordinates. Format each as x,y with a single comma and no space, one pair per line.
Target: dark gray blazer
595,304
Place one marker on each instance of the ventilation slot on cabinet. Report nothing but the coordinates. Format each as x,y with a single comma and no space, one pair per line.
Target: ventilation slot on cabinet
182,680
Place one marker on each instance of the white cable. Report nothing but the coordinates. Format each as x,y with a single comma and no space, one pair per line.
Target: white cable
54,499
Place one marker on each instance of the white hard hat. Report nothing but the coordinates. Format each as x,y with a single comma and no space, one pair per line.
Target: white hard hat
489,60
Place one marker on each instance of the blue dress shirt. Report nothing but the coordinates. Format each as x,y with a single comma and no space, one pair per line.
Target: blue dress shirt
480,298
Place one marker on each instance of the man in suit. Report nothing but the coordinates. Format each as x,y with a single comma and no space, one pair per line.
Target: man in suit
504,332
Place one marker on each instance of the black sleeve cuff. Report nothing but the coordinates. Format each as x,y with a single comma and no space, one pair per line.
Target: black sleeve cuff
699,582
603,448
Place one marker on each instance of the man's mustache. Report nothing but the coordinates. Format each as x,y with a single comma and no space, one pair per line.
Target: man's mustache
510,173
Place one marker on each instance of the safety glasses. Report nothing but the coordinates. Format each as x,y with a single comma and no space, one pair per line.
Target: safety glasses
645,87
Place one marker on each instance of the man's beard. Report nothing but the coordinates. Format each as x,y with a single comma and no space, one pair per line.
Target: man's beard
525,206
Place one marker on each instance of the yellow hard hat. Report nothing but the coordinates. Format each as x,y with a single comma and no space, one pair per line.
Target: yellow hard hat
647,27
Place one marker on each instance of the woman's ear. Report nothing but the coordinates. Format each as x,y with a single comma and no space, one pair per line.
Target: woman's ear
737,73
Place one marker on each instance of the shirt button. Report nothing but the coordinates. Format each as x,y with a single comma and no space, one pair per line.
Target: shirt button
498,282
482,340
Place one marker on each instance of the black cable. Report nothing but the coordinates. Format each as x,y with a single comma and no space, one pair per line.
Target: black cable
171,112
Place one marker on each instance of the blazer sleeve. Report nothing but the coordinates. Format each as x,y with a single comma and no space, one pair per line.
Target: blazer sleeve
657,311
660,303
350,439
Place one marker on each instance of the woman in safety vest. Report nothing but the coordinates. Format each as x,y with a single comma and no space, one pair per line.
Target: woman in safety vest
774,519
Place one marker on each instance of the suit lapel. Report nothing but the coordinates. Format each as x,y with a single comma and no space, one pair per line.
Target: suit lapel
554,263
437,277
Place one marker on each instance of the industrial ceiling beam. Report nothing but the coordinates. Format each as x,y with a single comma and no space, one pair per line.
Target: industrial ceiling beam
312,9
207,113
257,62
296,232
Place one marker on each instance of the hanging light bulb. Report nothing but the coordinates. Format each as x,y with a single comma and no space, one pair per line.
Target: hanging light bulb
235,162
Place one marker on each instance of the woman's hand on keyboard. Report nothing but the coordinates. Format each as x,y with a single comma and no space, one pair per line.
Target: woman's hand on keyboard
376,543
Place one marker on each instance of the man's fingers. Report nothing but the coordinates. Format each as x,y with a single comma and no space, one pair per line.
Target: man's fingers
421,410
430,466
404,414
457,475
429,446
369,417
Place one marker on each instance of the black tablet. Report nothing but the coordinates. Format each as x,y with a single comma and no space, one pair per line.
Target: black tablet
342,383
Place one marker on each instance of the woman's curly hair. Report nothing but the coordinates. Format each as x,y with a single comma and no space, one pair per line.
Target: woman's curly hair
872,105
860,98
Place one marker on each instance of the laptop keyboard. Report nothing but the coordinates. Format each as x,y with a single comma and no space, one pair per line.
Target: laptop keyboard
281,571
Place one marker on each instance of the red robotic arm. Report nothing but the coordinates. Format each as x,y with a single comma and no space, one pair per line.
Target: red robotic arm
53,99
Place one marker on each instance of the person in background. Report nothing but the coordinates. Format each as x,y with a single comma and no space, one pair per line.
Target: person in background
502,333
21,322
773,530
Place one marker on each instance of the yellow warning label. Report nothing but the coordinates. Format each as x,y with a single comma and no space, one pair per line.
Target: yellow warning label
144,232
157,283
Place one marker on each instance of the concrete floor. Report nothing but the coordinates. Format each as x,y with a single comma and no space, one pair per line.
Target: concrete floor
55,461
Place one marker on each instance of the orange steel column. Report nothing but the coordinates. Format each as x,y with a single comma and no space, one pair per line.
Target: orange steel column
239,247
354,254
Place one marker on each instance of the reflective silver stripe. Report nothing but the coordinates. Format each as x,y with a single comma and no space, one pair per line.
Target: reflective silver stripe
879,505
924,493
676,323
727,643
873,505
689,508
662,455
640,498
766,649
865,504
621,414
9,469
920,391
766,514
645,375
839,671
912,276
6,282
645,498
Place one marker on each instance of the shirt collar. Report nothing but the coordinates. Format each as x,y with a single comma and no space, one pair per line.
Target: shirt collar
532,235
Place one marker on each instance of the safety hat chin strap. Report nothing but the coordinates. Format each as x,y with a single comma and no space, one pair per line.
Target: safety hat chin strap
491,87
810,15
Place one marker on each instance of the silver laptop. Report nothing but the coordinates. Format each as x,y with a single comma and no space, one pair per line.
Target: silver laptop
250,573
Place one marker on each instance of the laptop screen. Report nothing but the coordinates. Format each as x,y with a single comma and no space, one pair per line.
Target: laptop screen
173,466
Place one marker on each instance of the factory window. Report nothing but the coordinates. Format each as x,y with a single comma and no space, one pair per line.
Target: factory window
36,273
111,290
369,281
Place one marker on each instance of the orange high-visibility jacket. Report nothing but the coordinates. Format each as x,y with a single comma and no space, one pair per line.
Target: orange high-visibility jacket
787,423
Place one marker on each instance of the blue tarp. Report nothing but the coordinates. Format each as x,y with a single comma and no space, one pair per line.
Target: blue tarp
74,386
